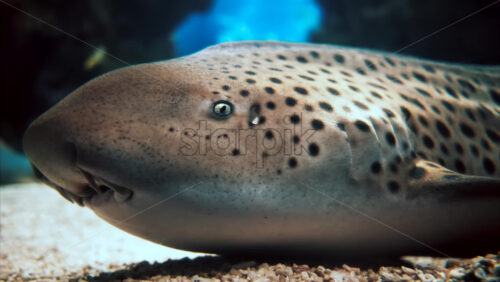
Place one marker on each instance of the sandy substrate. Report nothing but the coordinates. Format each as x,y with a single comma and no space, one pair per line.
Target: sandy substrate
42,236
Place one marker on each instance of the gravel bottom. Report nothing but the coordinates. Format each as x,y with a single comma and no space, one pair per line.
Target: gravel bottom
42,237
481,268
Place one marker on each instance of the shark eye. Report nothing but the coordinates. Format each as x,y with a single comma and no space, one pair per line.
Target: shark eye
222,109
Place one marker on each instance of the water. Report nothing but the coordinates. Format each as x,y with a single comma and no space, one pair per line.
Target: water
228,20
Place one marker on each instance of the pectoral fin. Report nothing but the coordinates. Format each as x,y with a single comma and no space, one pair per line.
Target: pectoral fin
428,179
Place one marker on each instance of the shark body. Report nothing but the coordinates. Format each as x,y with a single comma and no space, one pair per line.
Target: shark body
259,147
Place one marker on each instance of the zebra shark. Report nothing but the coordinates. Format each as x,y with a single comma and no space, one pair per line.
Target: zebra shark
275,147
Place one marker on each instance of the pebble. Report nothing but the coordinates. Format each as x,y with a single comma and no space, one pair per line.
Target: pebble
457,273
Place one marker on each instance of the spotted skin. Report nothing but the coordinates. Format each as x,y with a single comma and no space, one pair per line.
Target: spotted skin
391,109
289,147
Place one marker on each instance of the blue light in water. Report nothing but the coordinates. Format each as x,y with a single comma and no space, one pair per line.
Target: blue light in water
229,20
14,167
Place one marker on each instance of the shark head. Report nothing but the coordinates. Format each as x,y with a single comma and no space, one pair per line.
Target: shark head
257,146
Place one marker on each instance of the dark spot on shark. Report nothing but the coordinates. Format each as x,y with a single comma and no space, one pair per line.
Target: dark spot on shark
314,54
467,130
420,77
301,59
317,124
289,101
389,137
369,64
360,105
362,126
313,149
443,129
300,90
281,57
394,79
414,101
428,68
423,92
360,71
339,58
406,113
448,106
269,134
467,85
460,166
354,88
470,114
294,119
451,92
325,106
341,126
376,95
275,80
389,113
269,90
308,78
489,166
333,91
423,121
428,142
435,109
376,167
390,61
262,119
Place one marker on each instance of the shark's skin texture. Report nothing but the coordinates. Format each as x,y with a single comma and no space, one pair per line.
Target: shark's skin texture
338,151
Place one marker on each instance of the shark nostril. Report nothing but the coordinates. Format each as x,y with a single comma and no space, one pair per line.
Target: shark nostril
38,174
91,181
103,188
68,195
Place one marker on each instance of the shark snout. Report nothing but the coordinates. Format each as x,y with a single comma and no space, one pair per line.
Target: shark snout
53,155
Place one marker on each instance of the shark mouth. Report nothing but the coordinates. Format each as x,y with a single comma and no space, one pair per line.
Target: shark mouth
95,187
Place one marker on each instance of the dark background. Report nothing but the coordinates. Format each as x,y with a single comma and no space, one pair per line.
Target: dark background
40,65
